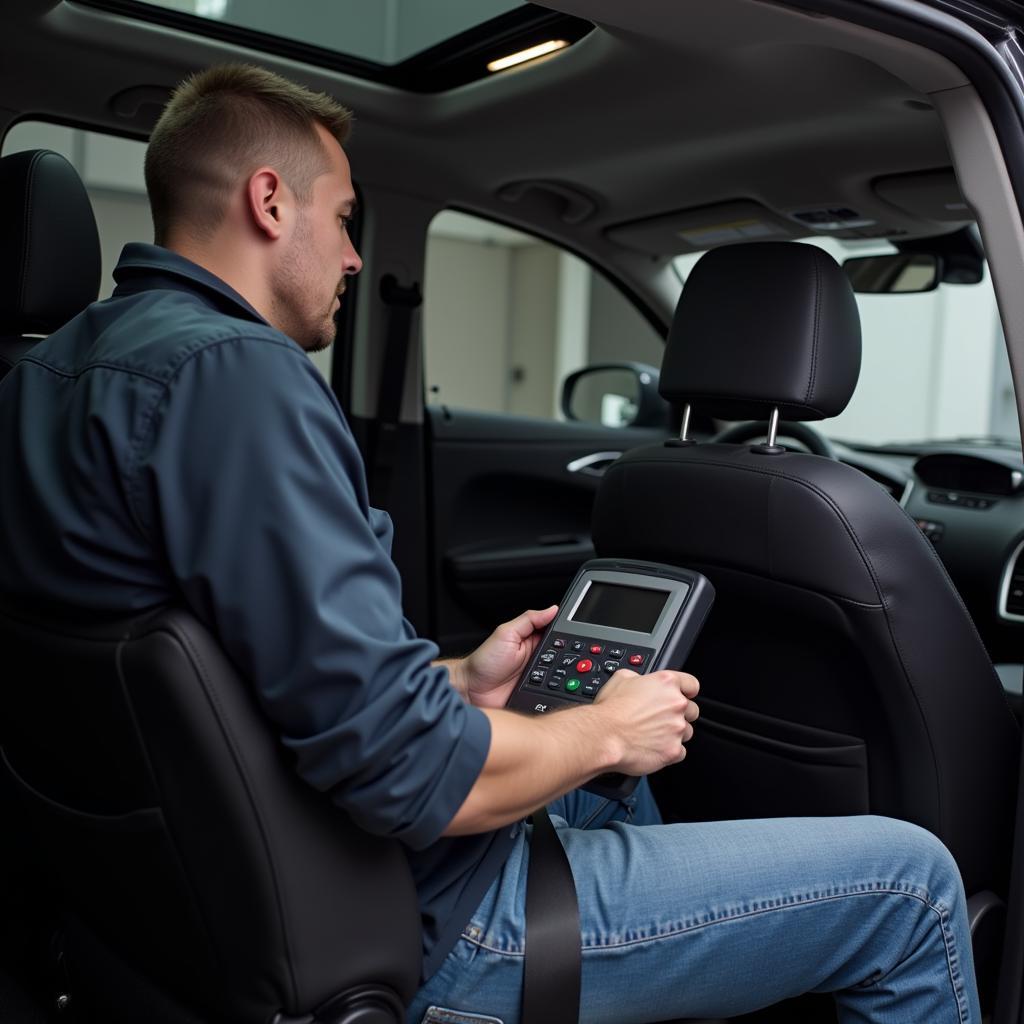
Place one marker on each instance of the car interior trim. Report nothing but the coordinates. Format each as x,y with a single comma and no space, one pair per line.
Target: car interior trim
1004,585
593,465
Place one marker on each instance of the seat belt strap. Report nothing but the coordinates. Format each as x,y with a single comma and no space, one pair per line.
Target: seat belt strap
401,303
552,961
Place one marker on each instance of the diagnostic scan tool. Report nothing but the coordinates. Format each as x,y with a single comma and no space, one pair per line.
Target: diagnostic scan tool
617,614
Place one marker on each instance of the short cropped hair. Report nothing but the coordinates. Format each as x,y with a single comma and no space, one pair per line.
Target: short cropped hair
218,127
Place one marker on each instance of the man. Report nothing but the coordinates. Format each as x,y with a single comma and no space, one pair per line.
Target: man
193,454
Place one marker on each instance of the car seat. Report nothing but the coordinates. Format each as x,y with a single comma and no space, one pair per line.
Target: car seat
840,671
200,876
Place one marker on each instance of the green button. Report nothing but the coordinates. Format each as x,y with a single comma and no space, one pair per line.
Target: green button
572,685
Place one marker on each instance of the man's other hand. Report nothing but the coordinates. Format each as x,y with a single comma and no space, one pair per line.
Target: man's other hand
490,673
651,716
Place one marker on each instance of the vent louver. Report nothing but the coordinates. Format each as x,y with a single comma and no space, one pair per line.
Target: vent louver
1011,593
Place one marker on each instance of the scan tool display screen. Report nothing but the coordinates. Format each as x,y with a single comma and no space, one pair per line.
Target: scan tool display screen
619,607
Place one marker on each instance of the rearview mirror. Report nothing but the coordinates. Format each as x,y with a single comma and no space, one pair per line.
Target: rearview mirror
896,273
615,395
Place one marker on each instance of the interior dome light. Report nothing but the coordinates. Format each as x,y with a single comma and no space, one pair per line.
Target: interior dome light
532,53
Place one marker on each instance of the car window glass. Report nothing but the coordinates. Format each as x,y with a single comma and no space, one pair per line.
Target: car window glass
506,317
934,364
111,169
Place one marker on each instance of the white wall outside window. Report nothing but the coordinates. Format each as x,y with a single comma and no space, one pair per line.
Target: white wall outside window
507,316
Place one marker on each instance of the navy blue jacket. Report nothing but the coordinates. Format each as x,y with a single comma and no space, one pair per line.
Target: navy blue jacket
169,446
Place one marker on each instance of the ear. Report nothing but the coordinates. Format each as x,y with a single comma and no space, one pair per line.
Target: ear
268,199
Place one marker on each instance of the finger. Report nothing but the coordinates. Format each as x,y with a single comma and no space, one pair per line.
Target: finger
531,621
691,712
623,673
690,685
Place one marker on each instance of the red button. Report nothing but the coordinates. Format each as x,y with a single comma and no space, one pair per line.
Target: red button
596,648
585,665
636,659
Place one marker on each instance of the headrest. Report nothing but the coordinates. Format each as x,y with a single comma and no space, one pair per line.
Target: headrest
50,249
760,325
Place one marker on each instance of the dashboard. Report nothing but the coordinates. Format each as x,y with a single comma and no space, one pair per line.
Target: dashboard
968,500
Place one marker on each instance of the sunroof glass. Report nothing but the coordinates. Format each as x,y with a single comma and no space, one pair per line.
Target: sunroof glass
382,31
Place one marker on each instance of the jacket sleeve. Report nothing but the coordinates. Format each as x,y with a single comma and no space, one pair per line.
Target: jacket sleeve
250,482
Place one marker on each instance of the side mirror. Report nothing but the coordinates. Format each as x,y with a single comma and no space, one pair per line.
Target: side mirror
615,395
898,272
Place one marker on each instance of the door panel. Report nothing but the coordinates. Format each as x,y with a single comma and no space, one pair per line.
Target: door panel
510,518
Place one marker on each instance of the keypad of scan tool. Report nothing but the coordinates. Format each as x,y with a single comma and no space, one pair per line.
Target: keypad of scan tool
578,666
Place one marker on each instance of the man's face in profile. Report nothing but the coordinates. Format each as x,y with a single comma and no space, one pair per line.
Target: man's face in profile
320,256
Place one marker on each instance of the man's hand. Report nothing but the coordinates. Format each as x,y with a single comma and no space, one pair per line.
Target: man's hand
652,716
636,725
487,676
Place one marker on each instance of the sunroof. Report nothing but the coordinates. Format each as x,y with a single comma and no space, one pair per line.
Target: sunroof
384,32
417,45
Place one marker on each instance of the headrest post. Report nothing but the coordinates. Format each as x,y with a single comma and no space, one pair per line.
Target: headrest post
770,447
683,441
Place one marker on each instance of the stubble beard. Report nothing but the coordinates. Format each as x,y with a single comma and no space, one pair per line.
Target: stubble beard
324,336
294,298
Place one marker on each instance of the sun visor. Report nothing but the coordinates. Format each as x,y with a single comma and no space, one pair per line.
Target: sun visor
927,195
704,228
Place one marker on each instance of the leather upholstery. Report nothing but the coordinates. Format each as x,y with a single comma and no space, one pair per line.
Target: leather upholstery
183,837
50,251
840,671
789,339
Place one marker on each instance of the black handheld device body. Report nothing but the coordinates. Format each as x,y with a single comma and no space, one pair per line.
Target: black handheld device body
617,613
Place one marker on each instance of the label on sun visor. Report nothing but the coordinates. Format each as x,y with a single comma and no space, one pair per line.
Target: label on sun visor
734,231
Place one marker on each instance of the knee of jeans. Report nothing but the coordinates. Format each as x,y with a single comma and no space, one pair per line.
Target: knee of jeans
927,861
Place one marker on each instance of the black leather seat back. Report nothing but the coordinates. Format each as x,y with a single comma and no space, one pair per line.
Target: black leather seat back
50,252
840,671
179,832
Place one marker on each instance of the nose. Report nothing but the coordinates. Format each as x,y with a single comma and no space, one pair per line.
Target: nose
351,263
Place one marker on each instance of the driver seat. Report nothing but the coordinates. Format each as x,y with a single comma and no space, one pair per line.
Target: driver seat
840,671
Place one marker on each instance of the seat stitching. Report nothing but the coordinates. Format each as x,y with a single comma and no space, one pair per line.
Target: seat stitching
715,396
26,226
817,323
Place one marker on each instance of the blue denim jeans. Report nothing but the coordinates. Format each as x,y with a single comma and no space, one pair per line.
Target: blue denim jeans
717,919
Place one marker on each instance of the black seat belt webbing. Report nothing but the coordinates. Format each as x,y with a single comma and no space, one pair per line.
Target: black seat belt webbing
552,961
401,304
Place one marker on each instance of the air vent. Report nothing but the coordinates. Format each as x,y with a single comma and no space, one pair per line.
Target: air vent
1011,590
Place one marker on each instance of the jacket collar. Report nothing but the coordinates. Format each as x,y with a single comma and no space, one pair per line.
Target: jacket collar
143,267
